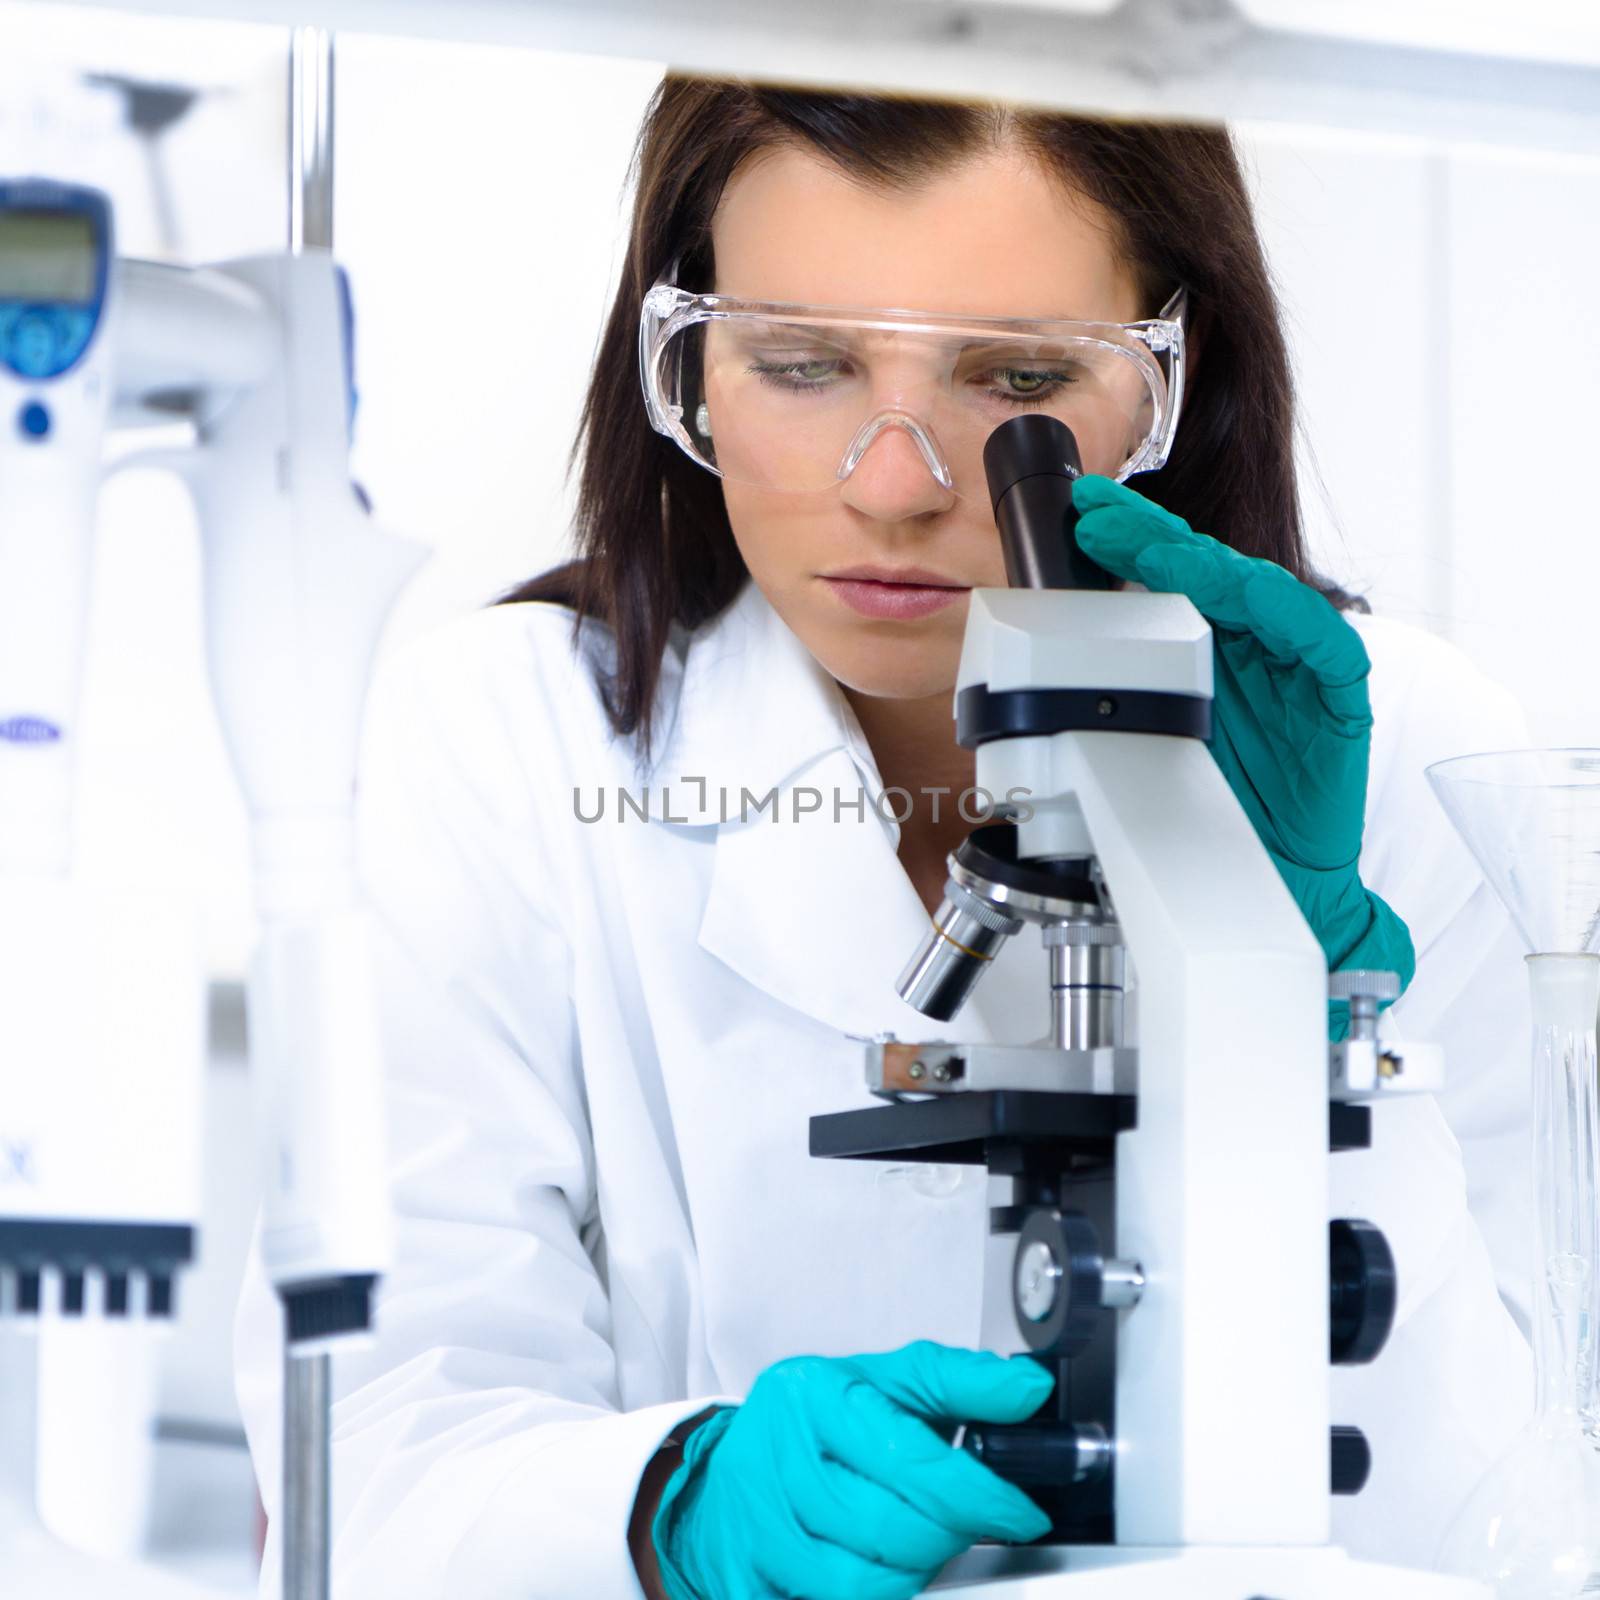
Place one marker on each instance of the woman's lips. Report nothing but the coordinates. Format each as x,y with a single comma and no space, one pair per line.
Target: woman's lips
898,601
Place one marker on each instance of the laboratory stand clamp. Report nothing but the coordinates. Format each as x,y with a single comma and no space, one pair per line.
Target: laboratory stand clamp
252,360
1171,1259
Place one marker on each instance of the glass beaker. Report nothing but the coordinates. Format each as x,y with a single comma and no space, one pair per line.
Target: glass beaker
1531,1527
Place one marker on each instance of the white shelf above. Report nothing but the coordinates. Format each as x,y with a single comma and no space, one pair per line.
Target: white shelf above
1464,73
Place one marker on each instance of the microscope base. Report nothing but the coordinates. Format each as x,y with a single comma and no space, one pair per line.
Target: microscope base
1196,1573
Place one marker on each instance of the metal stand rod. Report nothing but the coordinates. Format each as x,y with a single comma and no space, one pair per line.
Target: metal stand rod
307,1530
310,140
307,1534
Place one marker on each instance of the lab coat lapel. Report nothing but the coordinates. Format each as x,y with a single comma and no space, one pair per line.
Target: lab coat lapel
810,906
821,916
818,913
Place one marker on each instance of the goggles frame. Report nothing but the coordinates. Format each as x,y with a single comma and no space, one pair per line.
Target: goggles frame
1154,344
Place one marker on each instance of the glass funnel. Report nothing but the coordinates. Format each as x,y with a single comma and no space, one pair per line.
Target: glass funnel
1531,1528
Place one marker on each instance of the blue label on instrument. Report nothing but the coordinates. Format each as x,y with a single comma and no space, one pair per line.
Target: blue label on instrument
16,1162
29,730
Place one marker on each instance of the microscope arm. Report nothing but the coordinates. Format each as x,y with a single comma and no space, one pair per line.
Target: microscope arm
1233,1108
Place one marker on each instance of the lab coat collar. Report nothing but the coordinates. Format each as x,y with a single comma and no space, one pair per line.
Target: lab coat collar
754,708
814,909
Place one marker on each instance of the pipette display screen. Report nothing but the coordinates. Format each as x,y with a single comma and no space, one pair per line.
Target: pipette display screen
47,255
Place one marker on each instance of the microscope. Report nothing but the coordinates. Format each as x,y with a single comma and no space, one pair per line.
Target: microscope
1166,1146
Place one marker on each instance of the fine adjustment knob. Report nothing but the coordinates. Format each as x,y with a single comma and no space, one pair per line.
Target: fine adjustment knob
1042,1453
1351,1460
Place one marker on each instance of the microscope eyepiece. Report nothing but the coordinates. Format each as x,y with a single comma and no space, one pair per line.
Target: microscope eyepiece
1029,447
1031,463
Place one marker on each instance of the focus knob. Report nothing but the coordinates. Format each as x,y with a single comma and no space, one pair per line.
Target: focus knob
1363,1289
1043,1453
1362,983
1366,990
1061,1282
1351,1460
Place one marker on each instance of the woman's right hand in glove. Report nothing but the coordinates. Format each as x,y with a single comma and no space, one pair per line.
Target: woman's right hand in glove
835,1480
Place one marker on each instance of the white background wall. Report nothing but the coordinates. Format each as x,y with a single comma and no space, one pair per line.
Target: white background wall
1446,357
1441,309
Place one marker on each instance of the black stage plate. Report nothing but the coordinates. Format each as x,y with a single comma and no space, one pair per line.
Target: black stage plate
957,1128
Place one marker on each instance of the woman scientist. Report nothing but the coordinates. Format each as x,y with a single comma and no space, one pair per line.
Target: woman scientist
608,1034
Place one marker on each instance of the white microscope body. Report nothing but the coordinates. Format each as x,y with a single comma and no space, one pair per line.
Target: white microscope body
100,1089
1222,1411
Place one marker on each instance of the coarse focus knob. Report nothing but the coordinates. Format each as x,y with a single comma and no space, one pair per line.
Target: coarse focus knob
1061,1282
1363,1290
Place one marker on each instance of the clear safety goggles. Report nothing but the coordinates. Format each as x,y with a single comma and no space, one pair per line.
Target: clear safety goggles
792,397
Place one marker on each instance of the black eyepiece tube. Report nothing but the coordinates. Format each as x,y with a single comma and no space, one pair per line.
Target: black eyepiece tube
1031,463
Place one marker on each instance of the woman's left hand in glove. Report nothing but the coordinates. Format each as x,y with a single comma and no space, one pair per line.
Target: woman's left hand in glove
1291,721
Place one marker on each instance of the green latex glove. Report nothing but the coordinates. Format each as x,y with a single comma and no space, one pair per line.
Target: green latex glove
833,1480
1291,723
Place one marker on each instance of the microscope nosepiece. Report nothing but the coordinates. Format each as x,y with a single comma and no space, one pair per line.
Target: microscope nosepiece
966,933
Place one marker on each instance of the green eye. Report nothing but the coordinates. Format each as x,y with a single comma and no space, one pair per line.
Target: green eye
1023,382
799,376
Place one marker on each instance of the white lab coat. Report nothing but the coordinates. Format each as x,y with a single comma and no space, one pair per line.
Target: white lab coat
606,1040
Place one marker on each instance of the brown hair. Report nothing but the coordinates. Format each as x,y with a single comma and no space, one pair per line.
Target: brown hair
656,546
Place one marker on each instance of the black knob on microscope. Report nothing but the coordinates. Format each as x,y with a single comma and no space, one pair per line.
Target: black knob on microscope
1031,463
1351,1463
1052,1453
1058,1277
1363,1289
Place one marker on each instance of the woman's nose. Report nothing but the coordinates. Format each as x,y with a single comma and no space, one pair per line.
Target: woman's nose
893,469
